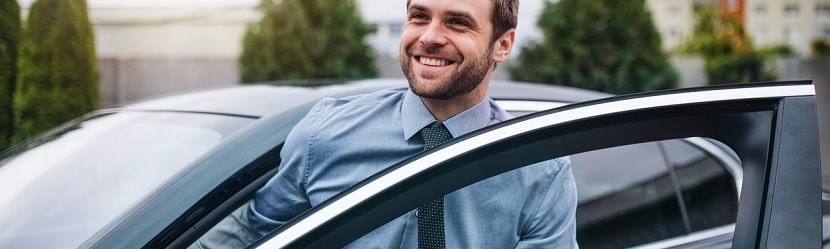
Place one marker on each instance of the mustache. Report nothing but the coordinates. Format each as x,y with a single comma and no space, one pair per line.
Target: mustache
440,52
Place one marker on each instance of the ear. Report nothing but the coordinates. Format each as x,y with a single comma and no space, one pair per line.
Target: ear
503,45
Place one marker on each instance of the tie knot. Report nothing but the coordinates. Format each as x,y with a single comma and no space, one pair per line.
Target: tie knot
435,134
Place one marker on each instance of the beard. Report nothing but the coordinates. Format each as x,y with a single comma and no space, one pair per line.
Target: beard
465,79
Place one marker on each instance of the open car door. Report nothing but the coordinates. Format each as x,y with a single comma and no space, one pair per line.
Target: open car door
771,126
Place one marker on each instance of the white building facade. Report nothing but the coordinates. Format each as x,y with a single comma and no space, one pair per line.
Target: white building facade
793,22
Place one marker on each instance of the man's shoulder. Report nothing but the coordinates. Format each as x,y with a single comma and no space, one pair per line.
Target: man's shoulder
373,99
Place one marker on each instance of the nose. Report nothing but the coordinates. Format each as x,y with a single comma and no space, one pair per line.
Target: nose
433,36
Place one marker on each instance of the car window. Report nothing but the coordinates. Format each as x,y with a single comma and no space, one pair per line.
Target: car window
74,181
626,197
709,190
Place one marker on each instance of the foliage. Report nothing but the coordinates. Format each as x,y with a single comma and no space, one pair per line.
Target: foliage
307,39
9,40
726,49
737,68
820,48
606,45
783,50
57,80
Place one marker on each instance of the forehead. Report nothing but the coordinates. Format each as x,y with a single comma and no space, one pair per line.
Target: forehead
479,9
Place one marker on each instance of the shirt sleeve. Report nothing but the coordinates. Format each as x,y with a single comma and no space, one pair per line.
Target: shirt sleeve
554,225
284,196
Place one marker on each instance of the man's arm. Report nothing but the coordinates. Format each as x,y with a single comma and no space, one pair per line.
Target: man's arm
280,200
554,225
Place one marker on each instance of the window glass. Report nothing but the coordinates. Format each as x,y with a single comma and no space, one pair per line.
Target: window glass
760,33
761,10
791,10
709,190
791,34
823,10
77,180
674,10
674,36
626,197
823,31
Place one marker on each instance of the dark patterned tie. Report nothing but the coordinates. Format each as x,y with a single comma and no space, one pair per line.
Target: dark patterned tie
431,214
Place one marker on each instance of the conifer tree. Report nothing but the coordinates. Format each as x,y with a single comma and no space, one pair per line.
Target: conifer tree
9,40
606,45
58,79
727,51
307,39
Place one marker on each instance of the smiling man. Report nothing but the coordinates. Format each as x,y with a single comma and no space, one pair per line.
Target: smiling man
449,50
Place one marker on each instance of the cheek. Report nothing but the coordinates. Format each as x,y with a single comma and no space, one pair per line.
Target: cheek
408,37
474,49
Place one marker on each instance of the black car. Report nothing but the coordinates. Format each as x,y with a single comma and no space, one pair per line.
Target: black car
658,169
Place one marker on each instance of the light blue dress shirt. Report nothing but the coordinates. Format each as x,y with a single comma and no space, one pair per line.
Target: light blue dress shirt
343,141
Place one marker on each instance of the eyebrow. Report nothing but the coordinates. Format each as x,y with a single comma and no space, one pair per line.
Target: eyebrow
450,13
463,15
417,7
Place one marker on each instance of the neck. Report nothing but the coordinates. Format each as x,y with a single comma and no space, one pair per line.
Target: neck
443,109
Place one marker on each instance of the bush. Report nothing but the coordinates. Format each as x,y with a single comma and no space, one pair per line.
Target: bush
307,39
727,50
738,68
605,45
58,79
820,48
9,40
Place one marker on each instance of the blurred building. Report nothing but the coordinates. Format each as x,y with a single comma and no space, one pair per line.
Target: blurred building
148,51
674,19
768,22
796,23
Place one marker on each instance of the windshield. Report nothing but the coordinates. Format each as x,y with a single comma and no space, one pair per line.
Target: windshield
59,192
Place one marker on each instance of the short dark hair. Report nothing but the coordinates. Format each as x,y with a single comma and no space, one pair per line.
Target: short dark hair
505,16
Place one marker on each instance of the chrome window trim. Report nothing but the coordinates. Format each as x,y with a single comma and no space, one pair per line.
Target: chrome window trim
731,165
725,230
567,115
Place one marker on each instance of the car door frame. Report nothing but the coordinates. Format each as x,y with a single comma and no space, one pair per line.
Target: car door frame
771,126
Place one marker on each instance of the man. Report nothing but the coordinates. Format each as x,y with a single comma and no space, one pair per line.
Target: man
449,50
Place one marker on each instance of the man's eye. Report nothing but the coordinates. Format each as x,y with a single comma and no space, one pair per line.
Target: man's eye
418,17
457,22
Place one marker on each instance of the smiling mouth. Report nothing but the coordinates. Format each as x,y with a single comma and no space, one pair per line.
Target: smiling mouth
433,61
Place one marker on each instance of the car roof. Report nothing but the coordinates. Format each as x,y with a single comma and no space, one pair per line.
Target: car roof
264,99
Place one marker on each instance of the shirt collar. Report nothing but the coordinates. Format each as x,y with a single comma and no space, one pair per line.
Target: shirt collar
416,116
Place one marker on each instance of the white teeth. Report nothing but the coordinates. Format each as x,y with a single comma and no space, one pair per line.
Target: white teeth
434,62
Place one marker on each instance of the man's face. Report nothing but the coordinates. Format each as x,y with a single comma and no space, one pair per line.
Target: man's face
447,47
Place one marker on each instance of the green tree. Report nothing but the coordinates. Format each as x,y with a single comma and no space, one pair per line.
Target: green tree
820,48
9,40
605,45
307,39
726,49
58,79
